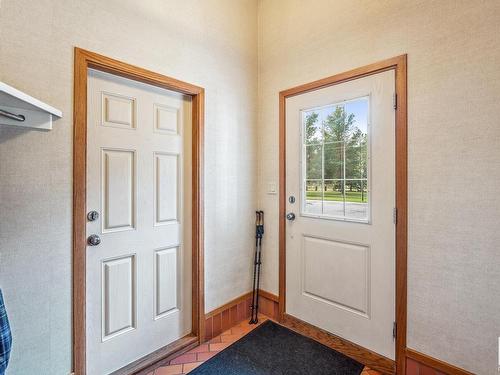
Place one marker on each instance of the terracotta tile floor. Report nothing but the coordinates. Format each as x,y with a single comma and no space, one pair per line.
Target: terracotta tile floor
186,362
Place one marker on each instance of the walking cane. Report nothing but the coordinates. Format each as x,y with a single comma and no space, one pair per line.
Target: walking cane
259,232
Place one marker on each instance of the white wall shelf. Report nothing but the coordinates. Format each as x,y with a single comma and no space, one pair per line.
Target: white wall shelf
27,111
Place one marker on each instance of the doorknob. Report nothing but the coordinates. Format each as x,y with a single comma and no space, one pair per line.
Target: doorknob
290,216
94,240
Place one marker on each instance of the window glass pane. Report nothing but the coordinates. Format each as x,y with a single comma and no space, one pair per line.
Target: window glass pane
333,203
356,161
314,196
359,108
356,156
356,195
334,160
313,132
334,124
314,162
333,191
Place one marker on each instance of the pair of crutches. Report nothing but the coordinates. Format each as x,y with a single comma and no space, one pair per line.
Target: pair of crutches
259,233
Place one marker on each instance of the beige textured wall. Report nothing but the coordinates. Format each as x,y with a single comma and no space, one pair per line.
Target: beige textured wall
211,43
454,145
454,148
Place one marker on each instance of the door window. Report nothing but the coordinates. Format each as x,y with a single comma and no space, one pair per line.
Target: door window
335,161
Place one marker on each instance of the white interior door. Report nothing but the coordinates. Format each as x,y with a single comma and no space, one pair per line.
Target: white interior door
340,249
139,182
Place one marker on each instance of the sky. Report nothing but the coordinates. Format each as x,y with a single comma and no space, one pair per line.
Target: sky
359,107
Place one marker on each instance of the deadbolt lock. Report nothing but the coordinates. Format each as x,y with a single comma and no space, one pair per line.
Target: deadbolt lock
92,216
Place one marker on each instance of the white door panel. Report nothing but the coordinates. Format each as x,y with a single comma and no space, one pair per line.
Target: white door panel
328,262
118,189
118,110
166,281
166,187
139,181
166,119
341,246
119,299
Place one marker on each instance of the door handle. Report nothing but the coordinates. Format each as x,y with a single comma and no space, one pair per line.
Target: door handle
93,240
290,216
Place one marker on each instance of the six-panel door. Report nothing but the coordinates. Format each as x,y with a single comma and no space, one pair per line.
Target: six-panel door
139,181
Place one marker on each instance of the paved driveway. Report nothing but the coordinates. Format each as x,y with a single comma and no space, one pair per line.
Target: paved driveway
352,209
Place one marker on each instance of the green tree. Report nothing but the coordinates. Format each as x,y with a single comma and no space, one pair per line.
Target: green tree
313,150
338,126
345,151
356,159
311,128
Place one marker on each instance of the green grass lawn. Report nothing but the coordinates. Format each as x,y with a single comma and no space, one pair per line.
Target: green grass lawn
351,196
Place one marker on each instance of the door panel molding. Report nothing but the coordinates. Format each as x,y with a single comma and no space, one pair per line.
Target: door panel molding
83,60
122,308
360,277
399,65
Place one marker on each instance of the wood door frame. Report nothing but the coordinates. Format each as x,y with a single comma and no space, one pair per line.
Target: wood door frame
399,65
83,60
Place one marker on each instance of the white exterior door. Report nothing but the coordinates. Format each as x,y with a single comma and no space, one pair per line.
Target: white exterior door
340,249
139,182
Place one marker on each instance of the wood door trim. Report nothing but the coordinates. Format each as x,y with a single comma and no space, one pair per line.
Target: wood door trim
369,358
399,65
83,60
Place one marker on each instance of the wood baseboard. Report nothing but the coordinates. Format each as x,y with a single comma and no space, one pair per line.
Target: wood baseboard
159,357
233,312
365,356
268,304
227,315
418,363
228,305
269,296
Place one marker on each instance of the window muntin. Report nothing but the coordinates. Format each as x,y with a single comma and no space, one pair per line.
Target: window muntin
335,161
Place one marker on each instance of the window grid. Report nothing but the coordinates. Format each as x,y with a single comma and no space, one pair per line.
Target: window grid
322,182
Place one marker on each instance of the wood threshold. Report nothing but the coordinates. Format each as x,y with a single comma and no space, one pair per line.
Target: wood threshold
154,360
365,356
83,60
435,363
399,65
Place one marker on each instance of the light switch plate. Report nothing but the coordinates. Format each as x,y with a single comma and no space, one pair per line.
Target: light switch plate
271,188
